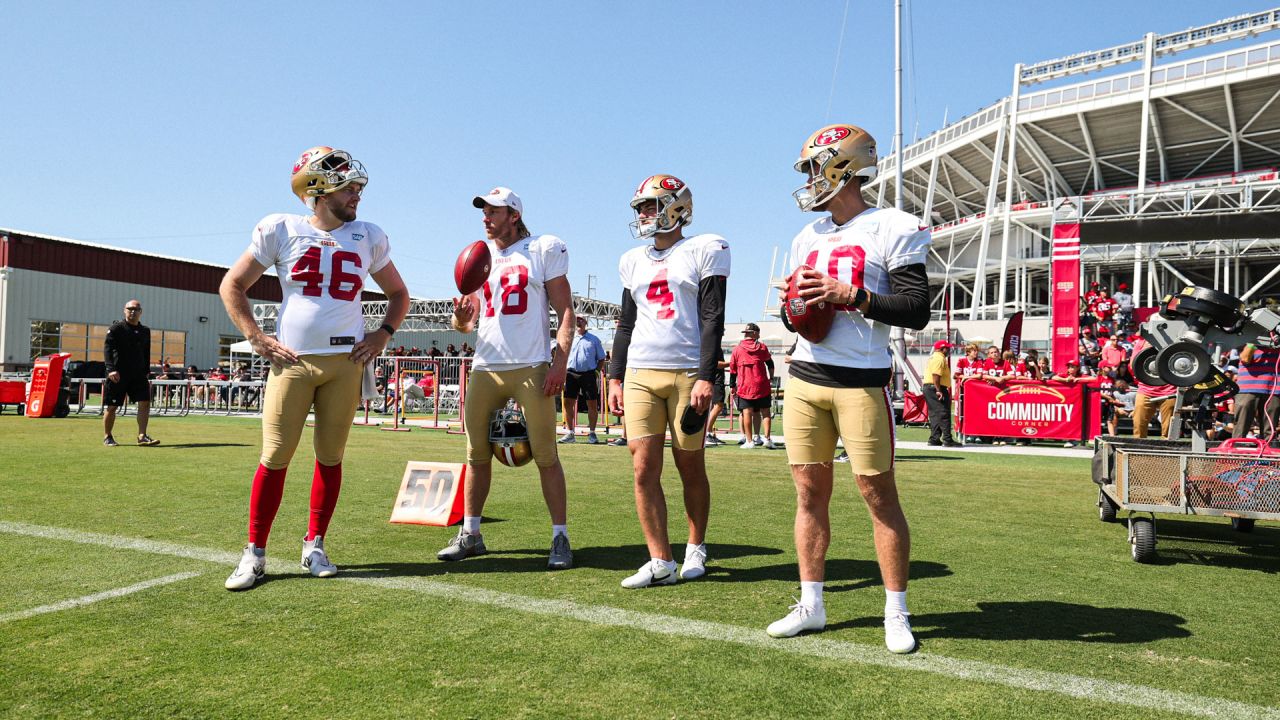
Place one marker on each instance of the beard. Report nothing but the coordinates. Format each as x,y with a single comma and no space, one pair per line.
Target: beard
344,213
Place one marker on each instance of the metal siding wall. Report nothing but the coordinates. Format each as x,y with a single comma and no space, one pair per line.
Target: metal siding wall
47,296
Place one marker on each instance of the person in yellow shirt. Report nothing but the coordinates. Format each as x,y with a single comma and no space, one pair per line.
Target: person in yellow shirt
937,395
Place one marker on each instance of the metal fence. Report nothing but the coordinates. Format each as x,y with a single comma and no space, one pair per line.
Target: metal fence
178,397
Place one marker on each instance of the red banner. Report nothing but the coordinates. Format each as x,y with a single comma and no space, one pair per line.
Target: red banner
1030,409
1013,334
1066,295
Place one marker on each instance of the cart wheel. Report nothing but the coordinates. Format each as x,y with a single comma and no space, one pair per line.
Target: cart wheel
1143,366
1243,525
1184,364
1142,537
1106,507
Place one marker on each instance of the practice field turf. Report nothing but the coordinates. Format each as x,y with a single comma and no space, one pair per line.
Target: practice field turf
1025,605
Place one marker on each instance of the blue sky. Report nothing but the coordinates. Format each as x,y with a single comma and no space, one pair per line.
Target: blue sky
171,127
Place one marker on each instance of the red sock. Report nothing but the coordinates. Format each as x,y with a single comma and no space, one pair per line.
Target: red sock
325,485
264,501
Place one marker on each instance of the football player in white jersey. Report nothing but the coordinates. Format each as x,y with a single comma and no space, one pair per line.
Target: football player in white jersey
870,262
319,355
513,360
665,356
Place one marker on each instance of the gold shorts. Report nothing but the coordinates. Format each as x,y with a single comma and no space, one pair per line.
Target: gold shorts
489,390
654,400
813,416
329,382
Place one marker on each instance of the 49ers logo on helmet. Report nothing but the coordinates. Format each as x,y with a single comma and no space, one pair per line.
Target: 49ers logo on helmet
832,135
671,183
302,162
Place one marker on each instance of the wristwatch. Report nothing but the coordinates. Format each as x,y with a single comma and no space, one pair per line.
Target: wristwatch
860,297
391,332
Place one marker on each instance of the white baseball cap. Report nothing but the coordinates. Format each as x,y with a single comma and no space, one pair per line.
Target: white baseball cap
499,197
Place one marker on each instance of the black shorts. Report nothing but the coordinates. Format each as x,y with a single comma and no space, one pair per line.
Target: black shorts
764,403
582,385
136,387
717,393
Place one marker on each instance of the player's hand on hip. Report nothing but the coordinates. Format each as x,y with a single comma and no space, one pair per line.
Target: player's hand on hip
815,287
272,349
555,377
700,398
464,309
370,347
615,397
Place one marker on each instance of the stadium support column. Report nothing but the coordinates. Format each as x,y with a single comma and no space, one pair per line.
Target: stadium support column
980,271
1009,171
1147,61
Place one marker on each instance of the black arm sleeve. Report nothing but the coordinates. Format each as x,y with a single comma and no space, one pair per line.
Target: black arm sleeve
110,353
622,338
908,304
711,294
769,364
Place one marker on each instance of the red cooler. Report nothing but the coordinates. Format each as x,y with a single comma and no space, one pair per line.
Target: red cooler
46,383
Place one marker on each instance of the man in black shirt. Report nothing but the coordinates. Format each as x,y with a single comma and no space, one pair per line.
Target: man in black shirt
128,351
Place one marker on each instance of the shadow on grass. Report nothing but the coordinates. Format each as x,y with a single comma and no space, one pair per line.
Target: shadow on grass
198,445
1042,620
922,458
620,558
843,574
1217,544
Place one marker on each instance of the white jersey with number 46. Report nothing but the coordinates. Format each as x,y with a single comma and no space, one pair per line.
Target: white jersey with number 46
514,317
321,274
664,285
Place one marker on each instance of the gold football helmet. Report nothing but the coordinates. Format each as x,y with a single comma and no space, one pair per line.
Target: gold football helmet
830,158
322,170
675,205
509,437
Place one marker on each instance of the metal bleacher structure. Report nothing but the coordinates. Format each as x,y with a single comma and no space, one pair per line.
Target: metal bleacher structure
434,314
1170,170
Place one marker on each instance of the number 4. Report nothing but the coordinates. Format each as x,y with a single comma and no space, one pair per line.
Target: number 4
659,293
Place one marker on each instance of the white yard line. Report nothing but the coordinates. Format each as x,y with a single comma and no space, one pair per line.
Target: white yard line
1092,689
96,597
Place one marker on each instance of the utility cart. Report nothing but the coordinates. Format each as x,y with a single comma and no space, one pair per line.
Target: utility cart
1237,479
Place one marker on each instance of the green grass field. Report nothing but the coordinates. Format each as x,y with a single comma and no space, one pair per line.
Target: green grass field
1025,605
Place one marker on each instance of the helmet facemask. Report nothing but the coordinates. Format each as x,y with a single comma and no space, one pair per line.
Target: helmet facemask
674,206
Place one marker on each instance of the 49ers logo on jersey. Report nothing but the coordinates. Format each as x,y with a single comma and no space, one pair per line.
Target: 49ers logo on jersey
832,135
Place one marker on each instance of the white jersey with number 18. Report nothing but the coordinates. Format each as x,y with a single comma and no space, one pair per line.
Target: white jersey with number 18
321,274
664,285
514,318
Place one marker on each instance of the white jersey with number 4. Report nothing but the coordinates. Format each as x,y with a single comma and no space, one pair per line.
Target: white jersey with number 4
321,274
664,285
861,252
514,317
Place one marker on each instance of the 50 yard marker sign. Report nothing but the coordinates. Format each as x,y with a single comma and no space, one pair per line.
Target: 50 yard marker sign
430,494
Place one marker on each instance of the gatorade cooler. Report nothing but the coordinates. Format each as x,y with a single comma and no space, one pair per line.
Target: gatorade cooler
46,385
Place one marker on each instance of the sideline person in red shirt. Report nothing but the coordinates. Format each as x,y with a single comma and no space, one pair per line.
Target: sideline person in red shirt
752,362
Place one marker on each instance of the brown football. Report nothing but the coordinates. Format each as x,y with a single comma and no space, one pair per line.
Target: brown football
813,322
472,267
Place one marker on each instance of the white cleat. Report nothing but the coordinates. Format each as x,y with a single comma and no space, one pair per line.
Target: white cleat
768,444
897,633
315,560
652,573
252,568
800,619
695,563
747,445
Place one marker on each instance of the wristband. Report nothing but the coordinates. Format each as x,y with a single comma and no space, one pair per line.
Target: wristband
860,297
391,332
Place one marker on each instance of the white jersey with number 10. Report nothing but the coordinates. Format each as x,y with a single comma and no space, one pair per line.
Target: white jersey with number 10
664,285
514,317
321,275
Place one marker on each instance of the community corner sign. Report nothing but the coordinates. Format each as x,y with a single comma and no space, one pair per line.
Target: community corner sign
1049,411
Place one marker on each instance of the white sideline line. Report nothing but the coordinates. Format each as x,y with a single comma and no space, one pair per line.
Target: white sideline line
96,597
1092,689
